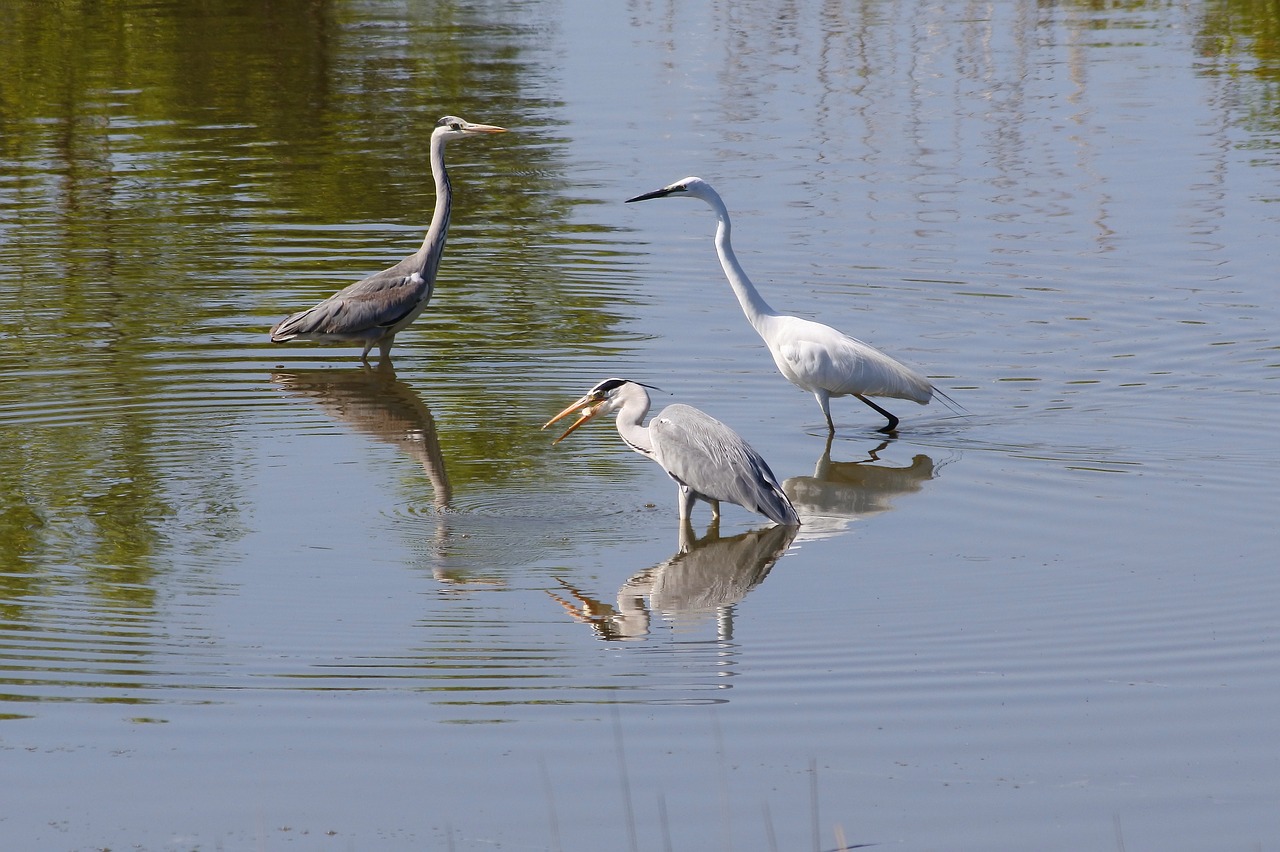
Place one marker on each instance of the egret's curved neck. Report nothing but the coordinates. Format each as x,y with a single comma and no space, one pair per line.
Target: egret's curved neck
630,418
753,304
428,255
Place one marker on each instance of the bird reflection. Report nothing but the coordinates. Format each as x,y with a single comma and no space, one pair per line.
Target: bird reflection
840,492
377,404
707,576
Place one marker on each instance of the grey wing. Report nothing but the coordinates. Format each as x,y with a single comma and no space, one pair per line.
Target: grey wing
708,457
377,302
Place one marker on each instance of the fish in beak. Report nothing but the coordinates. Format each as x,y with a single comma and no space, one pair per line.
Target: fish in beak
589,405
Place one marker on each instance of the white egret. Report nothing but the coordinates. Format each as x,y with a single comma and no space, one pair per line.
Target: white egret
812,356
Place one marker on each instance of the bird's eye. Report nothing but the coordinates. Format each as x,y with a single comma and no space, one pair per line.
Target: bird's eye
455,126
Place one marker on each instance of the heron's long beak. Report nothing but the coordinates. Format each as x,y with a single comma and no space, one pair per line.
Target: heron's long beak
589,408
483,128
657,193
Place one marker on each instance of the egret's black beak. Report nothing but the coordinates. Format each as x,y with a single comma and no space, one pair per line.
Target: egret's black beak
657,193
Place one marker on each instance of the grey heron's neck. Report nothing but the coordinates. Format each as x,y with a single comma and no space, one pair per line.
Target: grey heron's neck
428,256
753,304
630,418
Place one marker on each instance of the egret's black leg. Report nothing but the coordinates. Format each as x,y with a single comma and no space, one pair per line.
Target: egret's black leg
892,426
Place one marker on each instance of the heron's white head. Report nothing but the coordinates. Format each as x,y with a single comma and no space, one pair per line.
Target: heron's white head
451,127
605,398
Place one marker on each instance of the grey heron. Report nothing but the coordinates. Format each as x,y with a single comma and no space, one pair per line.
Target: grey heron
812,356
374,310
708,460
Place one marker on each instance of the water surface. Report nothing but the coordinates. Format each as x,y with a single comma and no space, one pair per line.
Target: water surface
281,600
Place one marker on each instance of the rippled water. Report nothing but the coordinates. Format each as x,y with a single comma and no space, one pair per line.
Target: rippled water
256,596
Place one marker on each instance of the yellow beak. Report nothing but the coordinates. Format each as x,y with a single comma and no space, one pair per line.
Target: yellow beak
589,408
484,128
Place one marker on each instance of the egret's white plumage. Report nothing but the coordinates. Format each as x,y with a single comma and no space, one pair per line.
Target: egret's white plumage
708,460
373,310
812,356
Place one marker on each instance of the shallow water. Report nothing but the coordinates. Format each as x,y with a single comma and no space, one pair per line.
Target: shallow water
281,600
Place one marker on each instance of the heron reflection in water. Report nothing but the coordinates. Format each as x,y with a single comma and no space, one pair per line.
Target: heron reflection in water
377,404
842,491
708,576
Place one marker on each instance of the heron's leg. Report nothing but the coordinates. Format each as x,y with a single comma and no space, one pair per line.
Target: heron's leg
824,402
384,349
715,510
893,421
686,502
364,356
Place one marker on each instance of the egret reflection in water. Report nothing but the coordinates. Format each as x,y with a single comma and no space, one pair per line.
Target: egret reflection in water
708,576
377,404
839,492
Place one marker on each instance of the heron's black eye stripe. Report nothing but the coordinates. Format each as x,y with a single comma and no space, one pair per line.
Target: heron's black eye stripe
455,126
608,385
